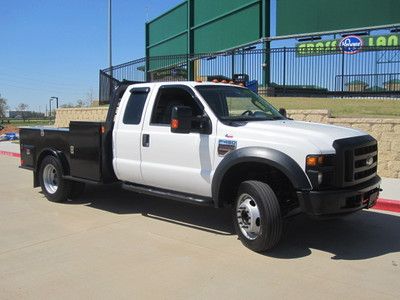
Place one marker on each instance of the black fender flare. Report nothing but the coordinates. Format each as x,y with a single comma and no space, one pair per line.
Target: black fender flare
45,152
267,156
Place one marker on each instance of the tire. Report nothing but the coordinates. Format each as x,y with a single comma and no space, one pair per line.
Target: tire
77,189
257,216
54,187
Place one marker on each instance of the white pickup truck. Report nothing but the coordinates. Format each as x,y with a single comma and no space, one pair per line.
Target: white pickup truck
210,144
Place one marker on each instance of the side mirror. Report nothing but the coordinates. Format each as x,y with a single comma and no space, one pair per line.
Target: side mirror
283,112
181,119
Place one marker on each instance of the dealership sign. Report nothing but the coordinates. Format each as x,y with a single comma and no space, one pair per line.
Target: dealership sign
351,44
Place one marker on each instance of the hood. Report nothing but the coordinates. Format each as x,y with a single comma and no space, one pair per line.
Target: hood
321,136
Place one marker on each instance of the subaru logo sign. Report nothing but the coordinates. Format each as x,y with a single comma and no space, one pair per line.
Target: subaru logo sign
351,44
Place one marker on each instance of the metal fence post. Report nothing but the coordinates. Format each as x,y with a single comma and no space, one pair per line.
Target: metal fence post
342,71
284,70
233,64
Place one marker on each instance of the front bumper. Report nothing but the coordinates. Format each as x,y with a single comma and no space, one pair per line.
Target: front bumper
340,201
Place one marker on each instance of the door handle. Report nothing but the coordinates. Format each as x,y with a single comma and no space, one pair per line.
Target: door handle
146,140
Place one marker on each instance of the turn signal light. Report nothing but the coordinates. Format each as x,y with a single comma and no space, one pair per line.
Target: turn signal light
315,160
174,123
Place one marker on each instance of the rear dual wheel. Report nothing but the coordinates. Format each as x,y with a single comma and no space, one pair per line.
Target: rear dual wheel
257,216
54,186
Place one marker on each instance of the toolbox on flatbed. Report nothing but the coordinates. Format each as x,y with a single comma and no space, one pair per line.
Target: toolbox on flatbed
82,147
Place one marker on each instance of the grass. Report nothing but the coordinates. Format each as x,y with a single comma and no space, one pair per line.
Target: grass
342,107
18,123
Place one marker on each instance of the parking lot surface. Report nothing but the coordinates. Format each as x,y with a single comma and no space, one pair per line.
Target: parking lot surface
115,244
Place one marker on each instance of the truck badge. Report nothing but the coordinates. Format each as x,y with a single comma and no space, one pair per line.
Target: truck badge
226,146
369,161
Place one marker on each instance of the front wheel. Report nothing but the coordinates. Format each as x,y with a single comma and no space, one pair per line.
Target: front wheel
257,216
54,187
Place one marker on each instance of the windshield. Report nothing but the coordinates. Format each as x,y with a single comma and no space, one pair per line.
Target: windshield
232,103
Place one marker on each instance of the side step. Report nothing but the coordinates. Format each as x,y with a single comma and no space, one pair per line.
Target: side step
181,197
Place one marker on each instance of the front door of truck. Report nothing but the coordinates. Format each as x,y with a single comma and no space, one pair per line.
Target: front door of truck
172,161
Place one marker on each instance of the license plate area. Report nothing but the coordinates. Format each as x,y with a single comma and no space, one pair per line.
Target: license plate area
371,197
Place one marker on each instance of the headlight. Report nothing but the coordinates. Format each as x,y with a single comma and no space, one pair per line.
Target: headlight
320,170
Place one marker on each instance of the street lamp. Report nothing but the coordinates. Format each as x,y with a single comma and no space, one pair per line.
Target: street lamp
56,101
110,48
51,99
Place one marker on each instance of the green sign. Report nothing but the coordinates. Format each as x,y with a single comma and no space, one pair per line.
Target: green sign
296,17
333,46
202,26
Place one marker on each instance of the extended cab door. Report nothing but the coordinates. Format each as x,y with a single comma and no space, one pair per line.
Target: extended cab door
172,161
127,135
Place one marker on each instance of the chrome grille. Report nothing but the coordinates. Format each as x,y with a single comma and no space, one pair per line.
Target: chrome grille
357,160
365,161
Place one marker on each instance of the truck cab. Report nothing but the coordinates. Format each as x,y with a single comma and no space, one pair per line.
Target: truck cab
221,145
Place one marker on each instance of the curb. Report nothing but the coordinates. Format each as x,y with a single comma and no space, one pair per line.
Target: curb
387,205
12,154
381,204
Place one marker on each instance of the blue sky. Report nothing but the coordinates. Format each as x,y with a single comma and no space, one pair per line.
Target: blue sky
56,47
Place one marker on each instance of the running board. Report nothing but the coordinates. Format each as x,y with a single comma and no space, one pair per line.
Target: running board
181,197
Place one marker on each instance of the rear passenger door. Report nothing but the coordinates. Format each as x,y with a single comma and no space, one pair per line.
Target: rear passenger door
127,136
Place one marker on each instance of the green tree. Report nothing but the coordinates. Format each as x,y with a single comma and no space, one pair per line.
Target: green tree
22,107
3,107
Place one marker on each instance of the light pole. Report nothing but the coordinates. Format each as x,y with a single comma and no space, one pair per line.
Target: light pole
110,36
50,108
110,47
50,100
56,100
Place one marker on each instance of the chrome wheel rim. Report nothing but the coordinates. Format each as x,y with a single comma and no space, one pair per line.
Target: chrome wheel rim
248,217
50,179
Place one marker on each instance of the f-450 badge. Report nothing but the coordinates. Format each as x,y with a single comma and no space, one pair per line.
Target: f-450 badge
226,146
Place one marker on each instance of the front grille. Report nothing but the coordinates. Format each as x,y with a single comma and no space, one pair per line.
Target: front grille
357,160
366,150
366,173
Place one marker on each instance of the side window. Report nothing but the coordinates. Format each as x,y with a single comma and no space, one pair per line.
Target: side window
134,108
167,98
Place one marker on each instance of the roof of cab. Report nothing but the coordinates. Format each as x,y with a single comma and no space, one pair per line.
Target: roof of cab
187,83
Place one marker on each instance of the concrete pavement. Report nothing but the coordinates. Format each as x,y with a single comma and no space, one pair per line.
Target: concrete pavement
116,244
9,146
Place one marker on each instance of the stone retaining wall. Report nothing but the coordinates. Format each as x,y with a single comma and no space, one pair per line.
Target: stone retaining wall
386,131
65,115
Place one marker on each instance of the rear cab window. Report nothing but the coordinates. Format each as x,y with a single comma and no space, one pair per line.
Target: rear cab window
134,108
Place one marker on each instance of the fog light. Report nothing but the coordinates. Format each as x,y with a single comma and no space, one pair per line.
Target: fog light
320,178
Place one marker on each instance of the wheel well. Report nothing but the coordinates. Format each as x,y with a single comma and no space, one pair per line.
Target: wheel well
277,180
42,155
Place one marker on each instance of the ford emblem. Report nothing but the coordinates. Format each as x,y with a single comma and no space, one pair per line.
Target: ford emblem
369,161
351,44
